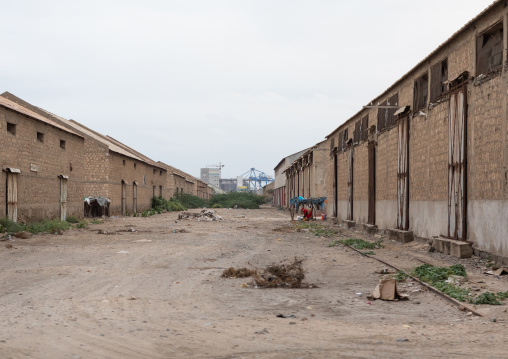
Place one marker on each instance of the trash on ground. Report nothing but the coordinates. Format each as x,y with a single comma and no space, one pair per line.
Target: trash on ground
142,241
456,280
204,215
23,235
498,272
285,316
284,275
237,272
122,252
387,290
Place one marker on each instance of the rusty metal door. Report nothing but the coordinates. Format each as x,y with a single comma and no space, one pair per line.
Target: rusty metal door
372,184
457,153
124,191
63,198
403,175
350,184
135,197
12,196
335,192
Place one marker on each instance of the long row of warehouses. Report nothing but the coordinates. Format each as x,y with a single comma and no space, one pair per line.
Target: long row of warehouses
50,164
430,154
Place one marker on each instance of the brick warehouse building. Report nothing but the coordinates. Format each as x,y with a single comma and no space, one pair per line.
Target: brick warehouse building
306,176
110,169
42,166
280,191
430,154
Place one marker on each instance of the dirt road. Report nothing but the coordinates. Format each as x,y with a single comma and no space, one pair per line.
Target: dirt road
146,289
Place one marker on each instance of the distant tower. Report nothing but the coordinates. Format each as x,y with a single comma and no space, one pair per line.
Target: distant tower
212,174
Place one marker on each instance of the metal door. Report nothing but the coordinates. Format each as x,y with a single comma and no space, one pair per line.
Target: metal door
372,183
12,196
350,184
124,191
135,197
335,193
63,198
457,152
403,175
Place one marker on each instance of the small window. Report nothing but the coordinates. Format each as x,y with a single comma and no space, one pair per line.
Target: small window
144,179
154,171
11,128
40,136
62,144
123,161
134,165
421,92
489,50
160,173
438,80
385,115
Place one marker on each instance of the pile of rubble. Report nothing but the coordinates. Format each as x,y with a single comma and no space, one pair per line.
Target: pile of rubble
204,215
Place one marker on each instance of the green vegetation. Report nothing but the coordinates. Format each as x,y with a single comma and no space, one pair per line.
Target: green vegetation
400,276
317,229
357,243
239,199
72,219
53,226
82,224
437,276
96,221
160,204
190,201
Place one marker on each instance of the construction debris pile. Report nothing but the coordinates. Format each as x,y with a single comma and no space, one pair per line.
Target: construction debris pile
285,275
204,215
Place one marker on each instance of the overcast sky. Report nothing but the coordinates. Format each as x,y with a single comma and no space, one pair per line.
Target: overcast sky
195,83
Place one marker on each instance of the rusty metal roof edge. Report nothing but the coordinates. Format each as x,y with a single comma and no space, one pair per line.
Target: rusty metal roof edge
451,38
13,106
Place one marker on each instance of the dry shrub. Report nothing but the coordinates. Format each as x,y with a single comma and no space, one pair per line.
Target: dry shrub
285,275
237,273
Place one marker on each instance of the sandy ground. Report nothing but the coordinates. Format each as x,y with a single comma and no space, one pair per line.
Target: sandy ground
153,293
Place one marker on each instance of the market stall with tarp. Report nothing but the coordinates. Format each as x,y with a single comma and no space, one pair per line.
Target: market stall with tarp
97,206
309,206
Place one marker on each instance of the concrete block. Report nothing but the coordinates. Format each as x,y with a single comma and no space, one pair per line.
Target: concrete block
369,228
400,235
453,247
348,224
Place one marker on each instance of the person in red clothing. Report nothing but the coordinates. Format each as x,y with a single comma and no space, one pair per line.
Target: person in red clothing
307,213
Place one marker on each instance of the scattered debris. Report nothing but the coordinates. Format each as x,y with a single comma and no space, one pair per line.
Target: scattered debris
23,235
122,252
237,273
285,316
142,241
387,290
282,276
204,215
498,272
264,331
285,275
8,246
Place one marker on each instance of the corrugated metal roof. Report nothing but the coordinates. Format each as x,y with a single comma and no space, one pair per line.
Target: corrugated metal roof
20,109
134,152
454,35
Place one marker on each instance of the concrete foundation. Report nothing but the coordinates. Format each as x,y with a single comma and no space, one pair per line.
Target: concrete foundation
452,247
399,235
369,228
348,224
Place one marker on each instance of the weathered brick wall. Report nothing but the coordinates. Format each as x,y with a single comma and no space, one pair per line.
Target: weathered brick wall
39,191
96,160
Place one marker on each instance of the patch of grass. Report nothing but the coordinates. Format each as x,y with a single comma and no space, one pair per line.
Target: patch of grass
96,221
433,275
72,219
357,243
400,276
317,229
48,226
82,224
486,298
369,253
